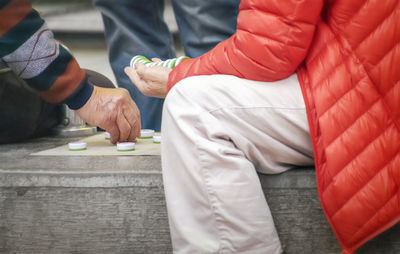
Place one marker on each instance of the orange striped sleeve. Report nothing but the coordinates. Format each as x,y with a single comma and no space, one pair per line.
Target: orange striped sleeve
13,13
65,84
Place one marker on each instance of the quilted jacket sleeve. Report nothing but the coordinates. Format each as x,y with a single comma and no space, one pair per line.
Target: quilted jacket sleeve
271,40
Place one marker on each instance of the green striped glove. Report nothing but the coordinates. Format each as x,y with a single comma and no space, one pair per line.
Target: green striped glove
170,63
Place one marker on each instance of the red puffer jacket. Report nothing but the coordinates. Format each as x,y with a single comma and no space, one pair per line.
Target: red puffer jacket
347,56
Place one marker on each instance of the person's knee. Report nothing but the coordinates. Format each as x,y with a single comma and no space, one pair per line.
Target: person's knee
197,91
178,97
184,93
185,102
189,86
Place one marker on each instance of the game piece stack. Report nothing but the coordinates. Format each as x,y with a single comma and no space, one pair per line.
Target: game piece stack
170,63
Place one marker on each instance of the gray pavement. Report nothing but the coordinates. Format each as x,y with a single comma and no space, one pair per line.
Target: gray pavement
84,18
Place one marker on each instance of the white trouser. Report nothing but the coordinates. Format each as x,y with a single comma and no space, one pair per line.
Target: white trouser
217,131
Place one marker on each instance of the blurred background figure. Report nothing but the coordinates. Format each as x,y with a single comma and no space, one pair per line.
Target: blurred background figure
137,27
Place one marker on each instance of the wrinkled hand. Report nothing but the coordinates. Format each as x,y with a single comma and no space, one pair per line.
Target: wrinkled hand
151,81
113,110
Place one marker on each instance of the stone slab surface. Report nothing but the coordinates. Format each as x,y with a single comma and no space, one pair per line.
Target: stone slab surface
94,204
16,157
97,145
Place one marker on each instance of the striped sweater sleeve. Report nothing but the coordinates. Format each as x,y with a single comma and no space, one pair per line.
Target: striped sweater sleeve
28,47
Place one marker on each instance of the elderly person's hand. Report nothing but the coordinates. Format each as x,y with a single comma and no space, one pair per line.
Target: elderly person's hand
151,81
113,110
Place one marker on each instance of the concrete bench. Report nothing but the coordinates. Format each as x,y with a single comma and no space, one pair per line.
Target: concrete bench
103,204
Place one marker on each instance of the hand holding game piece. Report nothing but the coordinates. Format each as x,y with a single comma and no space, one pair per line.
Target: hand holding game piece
113,110
151,77
151,81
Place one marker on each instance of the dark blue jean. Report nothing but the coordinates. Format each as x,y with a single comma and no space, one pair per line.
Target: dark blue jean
137,27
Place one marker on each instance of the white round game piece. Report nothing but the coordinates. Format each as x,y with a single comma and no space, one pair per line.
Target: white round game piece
77,146
146,133
157,139
126,146
107,135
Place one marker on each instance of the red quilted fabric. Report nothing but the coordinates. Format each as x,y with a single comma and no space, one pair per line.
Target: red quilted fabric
347,56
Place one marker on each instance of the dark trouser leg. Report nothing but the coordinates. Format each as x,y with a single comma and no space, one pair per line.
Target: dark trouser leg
136,27
204,23
23,114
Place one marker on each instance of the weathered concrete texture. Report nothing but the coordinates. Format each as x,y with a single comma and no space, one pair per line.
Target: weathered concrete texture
115,204
301,223
82,220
